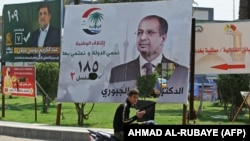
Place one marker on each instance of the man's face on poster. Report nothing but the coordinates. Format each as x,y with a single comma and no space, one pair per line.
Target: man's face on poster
149,41
44,17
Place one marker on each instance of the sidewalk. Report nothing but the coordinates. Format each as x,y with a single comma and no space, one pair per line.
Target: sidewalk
46,132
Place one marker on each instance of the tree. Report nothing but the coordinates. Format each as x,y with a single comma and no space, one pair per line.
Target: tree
244,9
145,84
47,76
230,85
80,112
76,1
1,25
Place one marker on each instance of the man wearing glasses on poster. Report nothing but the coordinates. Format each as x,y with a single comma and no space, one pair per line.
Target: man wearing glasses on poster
151,36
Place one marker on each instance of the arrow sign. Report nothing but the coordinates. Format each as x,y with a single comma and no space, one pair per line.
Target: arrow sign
226,66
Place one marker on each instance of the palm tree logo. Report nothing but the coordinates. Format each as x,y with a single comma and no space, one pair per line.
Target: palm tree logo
92,21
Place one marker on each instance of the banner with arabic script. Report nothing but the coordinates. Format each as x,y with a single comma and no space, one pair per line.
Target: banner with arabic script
21,32
19,81
222,47
101,60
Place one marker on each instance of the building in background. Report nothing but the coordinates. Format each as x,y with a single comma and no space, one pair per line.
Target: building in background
203,13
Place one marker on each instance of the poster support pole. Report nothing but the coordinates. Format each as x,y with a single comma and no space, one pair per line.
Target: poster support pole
3,96
35,110
192,113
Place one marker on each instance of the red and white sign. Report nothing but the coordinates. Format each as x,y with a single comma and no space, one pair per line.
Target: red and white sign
19,81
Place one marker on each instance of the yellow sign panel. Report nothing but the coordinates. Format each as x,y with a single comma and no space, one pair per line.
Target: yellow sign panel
37,50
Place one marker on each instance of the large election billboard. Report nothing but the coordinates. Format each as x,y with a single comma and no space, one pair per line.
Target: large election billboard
106,47
32,32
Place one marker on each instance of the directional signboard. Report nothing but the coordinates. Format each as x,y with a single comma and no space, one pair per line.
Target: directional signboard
222,47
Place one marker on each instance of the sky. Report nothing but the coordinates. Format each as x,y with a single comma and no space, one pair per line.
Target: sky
3,2
223,9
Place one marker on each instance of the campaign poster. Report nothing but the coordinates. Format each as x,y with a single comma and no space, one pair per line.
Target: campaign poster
19,81
32,32
107,47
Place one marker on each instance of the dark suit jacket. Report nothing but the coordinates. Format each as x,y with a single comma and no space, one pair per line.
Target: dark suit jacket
53,38
130,70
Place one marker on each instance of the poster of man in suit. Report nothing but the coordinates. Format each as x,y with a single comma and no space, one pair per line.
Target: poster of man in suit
114,46
22,25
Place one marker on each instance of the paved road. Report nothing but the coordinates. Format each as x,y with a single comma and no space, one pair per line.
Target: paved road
9,138
44,132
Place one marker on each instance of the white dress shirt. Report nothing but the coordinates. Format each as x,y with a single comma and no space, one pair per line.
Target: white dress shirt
42,36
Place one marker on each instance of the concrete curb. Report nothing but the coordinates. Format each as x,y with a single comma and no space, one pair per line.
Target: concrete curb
47,132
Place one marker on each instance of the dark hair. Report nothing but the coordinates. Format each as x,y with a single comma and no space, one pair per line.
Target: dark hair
133,92
44,5
163,23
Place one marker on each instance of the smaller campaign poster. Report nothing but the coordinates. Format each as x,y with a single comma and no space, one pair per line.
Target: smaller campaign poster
19,81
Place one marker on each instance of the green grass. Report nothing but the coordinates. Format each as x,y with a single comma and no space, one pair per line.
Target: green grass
22,109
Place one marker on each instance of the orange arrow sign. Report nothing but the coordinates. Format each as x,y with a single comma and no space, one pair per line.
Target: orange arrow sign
226,66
